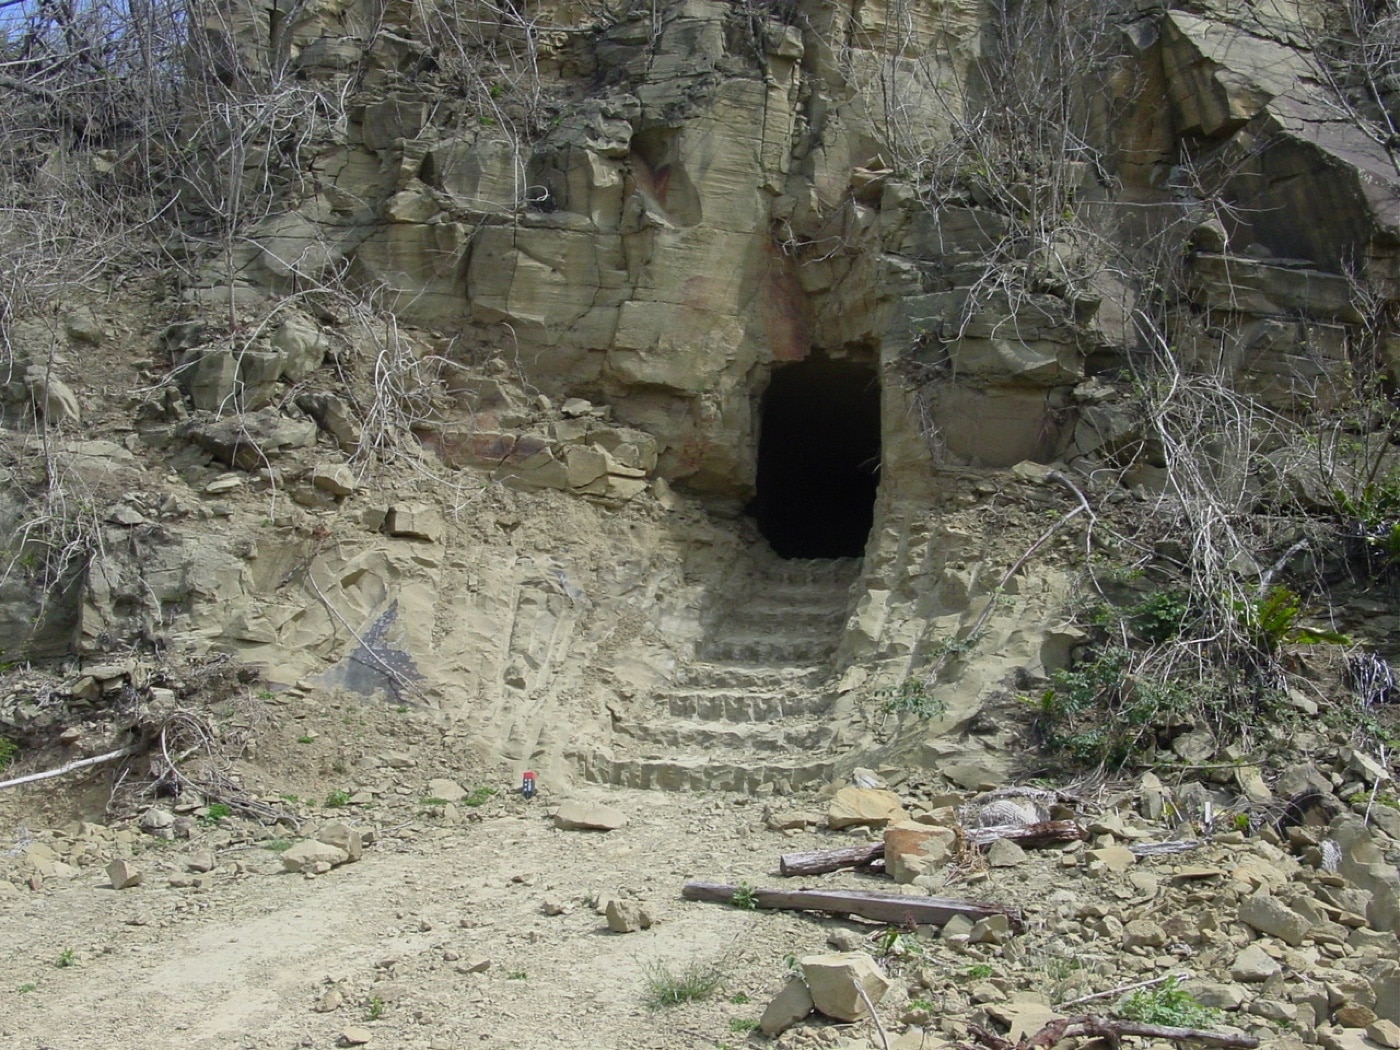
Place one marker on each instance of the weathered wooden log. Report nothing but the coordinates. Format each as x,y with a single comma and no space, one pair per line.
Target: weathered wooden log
893,908
1031,836
820,861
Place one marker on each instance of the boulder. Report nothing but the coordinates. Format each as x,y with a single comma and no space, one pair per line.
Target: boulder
588,816
835,982
124,874
626,916
913,849
1271,916
342,836
306,855
1253,965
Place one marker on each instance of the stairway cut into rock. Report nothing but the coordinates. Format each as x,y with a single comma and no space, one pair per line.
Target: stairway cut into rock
756,707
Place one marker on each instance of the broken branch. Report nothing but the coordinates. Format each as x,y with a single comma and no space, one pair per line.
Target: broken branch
80,763
820,861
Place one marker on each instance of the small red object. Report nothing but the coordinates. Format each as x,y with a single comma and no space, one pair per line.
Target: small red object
527,785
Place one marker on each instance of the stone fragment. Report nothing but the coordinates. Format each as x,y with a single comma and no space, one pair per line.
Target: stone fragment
1142,933
332,1001
52,397
414,521
200,861
1111,859
1004,853
355,1035
342,836
155,818
588,816
1218,995
1384,1033
445,789
990,929
864,807
305,855
475,964
626,916
913,849
124,874
1354,1015
792,820
834,981
1271,916
1253,965
971,777
786,1008
335,478
1022,1019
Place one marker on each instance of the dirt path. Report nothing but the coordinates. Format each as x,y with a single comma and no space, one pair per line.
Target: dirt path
245,961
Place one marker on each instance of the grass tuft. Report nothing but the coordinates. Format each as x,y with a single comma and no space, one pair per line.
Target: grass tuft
690,983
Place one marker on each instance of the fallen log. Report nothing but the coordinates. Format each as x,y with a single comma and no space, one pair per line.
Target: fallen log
820,861
1112,1031
1031,836
893,908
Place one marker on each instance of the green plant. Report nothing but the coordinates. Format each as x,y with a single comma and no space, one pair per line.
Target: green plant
517,975
22,989
692,982
478,796
740,999
66,958
278,845
304,739
375,1010
430,802
745,897
338,799
979,971
1273,619
742,1025
8,750
215,812
1166,1004
912,696
1160,616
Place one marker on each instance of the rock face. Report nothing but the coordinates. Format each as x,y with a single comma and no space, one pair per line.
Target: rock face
551,307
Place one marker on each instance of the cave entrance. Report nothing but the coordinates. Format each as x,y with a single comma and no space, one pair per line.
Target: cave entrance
818,459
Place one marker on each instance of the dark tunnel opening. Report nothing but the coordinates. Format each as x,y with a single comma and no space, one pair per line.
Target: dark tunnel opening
818,459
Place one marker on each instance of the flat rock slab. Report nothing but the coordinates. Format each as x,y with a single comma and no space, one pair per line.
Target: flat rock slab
588,816
786,1008
869,807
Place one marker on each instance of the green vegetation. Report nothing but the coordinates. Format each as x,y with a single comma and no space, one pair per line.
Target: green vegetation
979,971
278,845
375,1009
304,739
517,975
745,897
338,799
692,982
742,1025
215,812
912,696
66,958
740,999
1166,1004
22,989
8,750
478,796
